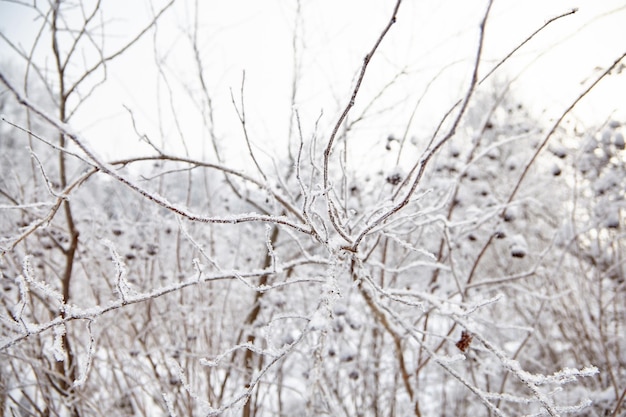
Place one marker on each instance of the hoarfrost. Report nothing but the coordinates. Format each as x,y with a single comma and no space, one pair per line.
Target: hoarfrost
168,404
58,351
90,352
563,376
211,363
29,274
122,285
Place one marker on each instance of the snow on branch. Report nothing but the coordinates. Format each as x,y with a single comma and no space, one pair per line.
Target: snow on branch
96,162
329,146
72,312
91,349
121,283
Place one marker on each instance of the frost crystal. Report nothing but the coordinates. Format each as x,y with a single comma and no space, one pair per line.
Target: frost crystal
123,288
208,362
57,347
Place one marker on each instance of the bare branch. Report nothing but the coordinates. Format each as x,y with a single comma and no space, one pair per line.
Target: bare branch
433,150
344,114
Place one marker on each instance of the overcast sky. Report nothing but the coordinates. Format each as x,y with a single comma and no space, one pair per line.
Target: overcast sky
431,38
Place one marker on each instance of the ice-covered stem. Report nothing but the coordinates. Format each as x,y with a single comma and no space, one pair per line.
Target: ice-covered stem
46,290
557,123
168,405
241,115
96,162
254,314
51,213
421,166
273,359
342,117
485,77
295,77
121,283
67,370
305,192
63,63
539,149
73,313
397,339
458,102
525,41
387,315
228,172
531,381
91,349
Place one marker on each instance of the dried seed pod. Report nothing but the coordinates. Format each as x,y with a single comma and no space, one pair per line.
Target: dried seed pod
464,343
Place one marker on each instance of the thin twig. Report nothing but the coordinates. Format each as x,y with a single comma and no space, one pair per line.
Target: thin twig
161,201
433,150
342,117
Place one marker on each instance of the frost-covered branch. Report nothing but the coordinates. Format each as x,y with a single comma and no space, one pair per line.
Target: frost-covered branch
329,146
109,170
434,149
72,312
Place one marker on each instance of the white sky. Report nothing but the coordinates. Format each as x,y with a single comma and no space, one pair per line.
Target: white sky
334,36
